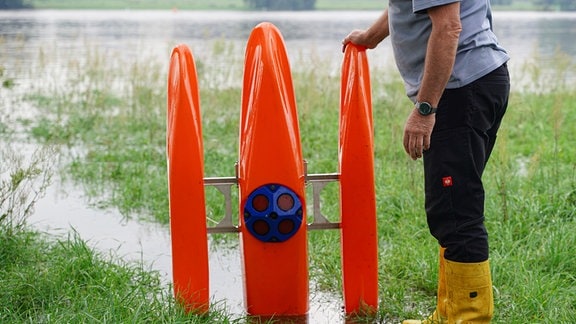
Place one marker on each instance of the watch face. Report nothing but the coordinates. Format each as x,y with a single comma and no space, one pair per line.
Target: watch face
425,108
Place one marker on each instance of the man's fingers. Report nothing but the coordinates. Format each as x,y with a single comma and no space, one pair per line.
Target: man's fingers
415,145
426,144
409,144
417,153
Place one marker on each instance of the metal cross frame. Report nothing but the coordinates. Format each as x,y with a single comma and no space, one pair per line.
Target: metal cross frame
318,182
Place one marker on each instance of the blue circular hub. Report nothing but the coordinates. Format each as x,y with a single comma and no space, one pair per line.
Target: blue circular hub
273,213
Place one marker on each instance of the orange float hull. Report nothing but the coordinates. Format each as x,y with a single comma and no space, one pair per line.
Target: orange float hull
275,256
357,190
186,184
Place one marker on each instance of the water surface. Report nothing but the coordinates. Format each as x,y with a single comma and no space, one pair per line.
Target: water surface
152,33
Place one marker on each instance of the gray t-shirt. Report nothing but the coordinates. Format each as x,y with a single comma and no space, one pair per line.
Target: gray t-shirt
478,50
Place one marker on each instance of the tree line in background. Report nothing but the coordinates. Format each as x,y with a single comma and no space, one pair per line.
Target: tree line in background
564,5
13,4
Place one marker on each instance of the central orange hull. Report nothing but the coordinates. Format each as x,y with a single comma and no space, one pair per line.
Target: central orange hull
275,273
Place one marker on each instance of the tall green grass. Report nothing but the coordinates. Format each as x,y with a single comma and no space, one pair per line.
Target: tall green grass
113,119
23,181
25,170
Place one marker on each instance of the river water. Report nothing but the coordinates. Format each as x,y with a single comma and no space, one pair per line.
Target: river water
27,37
528,36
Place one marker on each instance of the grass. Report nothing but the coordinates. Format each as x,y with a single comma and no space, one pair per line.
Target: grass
63,280
112,117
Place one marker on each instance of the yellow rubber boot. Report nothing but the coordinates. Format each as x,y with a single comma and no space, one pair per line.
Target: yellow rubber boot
439,316
469,288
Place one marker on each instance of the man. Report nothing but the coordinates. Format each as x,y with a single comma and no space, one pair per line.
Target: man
455,72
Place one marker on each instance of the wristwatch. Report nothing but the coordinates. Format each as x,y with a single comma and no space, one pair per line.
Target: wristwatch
425,108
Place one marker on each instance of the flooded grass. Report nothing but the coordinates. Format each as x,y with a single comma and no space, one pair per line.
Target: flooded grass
111,121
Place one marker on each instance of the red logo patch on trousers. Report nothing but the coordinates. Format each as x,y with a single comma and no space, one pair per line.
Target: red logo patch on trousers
447,182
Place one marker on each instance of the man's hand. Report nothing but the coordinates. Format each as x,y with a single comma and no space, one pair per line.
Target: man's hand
358,37
371,37
417,133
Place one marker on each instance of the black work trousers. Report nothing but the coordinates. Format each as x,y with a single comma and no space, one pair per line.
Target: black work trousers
467,121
